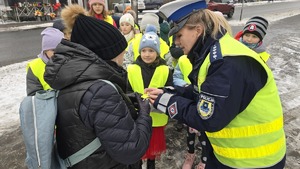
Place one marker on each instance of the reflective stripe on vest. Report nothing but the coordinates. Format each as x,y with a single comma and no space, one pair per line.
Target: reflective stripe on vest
164,48
255,138
265,56
37,67
185,67
158,79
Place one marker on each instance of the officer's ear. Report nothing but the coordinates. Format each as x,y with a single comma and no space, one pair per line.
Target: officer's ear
199,29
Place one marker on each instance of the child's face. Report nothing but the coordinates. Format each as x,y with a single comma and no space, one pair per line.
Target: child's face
125,28
148,55
250,38
97,8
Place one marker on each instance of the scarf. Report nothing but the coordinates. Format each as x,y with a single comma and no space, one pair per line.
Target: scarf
129,36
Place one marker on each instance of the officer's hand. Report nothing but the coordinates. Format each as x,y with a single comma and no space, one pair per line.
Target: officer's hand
153,93
143,104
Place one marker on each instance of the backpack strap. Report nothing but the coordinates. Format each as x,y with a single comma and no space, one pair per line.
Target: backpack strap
83,153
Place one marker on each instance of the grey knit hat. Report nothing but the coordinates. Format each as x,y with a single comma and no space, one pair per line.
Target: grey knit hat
256,25
150,19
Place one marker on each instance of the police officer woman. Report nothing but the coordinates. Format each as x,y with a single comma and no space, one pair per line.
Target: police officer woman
232,97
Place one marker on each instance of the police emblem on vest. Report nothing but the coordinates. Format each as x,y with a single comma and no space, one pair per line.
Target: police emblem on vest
205,106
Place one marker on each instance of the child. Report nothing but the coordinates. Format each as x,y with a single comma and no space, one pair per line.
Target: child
150,70
127,26
180,78
133,48
253,34
97,10
127,29
51,37
58,24
136,25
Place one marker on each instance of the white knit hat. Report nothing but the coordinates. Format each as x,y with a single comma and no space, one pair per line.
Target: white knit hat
127,18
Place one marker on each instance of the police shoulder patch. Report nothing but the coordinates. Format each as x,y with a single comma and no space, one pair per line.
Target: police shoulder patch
172,109
205,106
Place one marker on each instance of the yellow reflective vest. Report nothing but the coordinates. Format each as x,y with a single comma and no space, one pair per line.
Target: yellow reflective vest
164,48
109,19
265,56
185,67
255,138
159,79
37,67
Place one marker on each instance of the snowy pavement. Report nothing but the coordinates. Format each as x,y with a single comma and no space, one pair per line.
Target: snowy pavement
284,47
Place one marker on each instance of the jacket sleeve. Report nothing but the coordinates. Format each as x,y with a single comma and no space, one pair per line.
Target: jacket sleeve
229,87
32,83
124,139
178,77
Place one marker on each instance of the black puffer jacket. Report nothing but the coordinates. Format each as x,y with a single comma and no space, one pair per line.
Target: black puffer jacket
90,108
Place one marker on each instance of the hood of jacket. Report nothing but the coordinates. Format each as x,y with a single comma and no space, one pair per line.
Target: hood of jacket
73,63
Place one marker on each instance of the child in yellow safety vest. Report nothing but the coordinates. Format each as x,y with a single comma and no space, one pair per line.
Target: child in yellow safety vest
51,37
253,34
150,70
126,23
97,10
180,78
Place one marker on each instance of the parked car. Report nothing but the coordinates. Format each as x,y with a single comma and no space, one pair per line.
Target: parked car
119,7
225,6
153,4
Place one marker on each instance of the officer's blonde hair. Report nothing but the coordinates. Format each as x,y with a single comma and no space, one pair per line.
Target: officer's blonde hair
212,23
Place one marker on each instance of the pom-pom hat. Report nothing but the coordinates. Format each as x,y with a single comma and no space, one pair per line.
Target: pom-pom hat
150,39
98,36
177,12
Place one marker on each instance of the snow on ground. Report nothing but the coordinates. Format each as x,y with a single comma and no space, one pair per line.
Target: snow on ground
285,64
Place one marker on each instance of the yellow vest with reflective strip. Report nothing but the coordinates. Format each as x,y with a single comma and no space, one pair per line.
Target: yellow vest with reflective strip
185,67
164,48
255,138
265,56
37,67
158,79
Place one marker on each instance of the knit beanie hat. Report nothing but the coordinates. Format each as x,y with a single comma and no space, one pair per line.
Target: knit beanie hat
256,25
58,24
91,2
150,39
127,18
51,37
99,36
150,19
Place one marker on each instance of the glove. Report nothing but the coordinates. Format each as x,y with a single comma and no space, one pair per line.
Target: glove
143,104
133,100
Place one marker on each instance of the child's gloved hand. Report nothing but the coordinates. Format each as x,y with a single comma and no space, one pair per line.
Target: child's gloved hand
143,104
